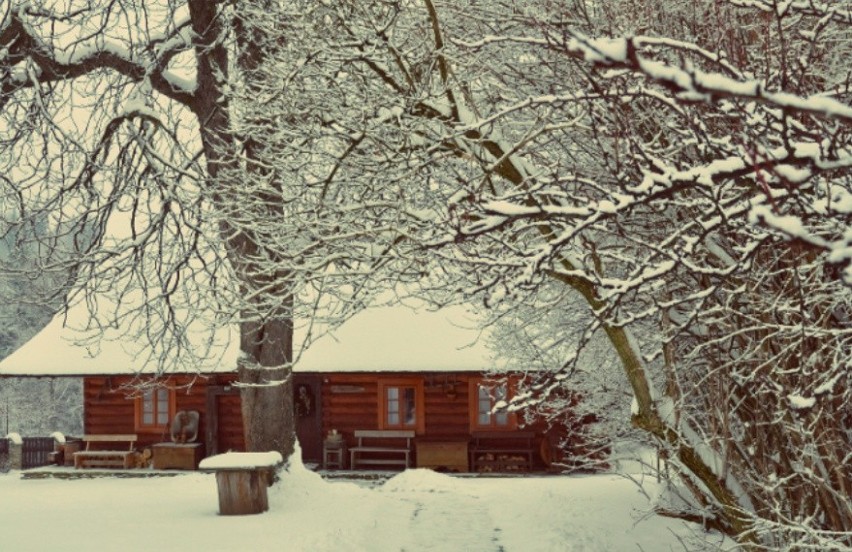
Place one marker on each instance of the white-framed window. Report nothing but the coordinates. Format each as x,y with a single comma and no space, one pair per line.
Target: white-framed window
155,407
488,405
401,404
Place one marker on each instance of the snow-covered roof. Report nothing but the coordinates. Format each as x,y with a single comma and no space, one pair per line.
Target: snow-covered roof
377,339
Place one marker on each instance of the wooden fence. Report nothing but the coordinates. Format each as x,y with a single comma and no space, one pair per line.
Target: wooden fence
36,451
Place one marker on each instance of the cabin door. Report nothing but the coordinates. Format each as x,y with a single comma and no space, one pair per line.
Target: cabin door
307,407
224,420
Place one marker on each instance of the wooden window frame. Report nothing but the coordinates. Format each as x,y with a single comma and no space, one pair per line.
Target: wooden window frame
512,418
419,426
139,409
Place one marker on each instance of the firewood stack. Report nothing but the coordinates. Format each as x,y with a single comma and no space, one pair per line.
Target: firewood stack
143,459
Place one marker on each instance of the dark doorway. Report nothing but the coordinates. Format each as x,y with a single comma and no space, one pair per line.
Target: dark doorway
307,407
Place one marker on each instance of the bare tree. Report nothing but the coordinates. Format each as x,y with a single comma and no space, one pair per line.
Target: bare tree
684,169
118,128
587,408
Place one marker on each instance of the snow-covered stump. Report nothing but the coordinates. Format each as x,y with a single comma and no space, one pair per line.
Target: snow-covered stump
242,479
58,455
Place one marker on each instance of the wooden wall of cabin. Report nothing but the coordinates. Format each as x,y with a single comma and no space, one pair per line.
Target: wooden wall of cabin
109,407
350,402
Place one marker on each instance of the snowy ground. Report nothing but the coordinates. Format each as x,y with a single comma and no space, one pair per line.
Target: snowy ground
417,510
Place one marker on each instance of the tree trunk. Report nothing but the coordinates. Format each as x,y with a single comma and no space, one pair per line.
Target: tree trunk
648,419
267,347
266,386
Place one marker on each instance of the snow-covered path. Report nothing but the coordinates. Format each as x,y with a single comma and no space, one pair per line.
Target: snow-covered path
441,518
415,511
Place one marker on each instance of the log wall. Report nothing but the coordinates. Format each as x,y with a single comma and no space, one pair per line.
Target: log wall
109,407
348,402
351,401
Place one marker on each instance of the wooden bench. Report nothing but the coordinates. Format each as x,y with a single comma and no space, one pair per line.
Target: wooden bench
385,447
501,451
106,458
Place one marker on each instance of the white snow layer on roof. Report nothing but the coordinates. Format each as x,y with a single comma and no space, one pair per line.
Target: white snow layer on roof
377,339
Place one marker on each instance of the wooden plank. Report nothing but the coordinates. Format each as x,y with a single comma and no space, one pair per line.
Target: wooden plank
385,433
110,438
381,461
344,379
503,435
103,453
102,458
379,449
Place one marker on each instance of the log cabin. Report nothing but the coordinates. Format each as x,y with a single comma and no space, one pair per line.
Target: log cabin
390,379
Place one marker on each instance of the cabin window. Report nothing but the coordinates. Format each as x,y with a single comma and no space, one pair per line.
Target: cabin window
488,406
154,409
401,405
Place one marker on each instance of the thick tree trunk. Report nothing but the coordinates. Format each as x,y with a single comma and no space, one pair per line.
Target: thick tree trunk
267,347
266,386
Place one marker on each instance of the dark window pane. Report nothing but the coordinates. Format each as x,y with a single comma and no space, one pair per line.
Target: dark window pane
392,402
148,408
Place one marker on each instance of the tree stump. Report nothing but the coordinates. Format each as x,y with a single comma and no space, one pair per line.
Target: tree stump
242,492
242,479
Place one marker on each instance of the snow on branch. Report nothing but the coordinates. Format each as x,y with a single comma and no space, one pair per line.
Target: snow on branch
693,84
689,83
48,62
813,8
